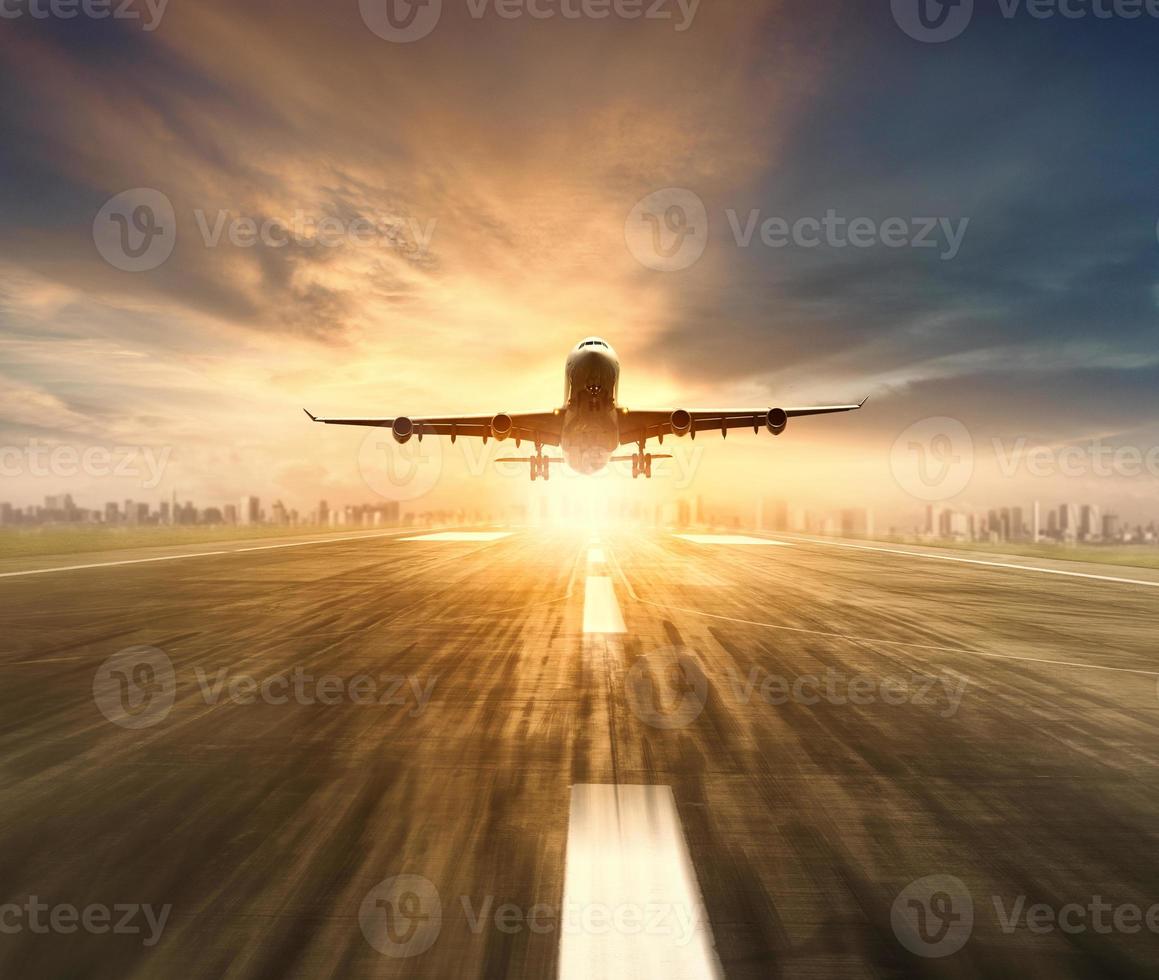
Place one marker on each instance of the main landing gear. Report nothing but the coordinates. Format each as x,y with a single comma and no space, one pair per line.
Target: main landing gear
642,465
540,467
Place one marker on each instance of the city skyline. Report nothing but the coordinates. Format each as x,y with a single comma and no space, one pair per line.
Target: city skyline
1062,523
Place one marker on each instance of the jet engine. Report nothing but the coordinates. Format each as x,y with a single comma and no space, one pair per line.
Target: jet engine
501,426
776,420
402,429
681,422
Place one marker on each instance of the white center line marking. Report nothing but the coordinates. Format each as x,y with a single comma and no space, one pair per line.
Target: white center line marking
462,536
631,902
1154,584
727,539
601,610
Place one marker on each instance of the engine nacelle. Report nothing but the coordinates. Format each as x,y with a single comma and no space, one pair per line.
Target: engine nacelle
681,422
501,426
776,420
402,429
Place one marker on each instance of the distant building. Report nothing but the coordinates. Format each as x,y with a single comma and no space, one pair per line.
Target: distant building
249,511
774,515
857,522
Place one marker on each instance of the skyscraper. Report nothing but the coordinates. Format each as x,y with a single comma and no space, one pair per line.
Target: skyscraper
249,511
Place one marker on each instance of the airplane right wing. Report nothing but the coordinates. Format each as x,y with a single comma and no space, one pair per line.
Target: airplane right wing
639,426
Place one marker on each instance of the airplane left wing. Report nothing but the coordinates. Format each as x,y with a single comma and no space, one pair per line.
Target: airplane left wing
542,428
639,426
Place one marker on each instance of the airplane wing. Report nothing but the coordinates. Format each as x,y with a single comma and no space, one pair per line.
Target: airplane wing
638,426
539,427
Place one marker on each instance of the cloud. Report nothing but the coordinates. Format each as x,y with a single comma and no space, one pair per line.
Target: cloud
519,147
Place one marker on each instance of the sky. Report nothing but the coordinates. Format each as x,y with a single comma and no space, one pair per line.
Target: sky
483,186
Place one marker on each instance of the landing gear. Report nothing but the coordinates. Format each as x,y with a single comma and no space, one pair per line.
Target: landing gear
642,464
540,467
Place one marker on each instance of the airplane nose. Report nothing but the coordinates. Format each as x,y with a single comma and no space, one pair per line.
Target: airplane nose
592,372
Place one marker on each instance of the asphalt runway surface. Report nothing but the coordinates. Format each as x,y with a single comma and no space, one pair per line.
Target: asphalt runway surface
576,754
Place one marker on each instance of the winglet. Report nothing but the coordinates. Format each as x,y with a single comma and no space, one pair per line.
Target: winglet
313,418
861,404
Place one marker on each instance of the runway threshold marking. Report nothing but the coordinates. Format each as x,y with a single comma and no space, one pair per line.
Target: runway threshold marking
980,561
462,536
632,905
601,608
742,539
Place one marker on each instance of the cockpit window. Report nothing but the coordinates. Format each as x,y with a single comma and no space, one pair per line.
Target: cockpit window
592,343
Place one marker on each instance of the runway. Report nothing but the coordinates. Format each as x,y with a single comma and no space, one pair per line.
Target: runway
535,753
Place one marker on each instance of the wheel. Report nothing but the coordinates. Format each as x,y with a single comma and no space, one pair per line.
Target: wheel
648,466
544,468
635,466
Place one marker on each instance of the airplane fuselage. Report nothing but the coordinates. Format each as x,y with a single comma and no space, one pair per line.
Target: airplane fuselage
591,429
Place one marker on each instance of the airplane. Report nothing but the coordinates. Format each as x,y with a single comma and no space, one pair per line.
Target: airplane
590,426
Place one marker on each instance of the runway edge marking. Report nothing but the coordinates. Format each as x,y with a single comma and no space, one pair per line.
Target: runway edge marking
199,554
979,561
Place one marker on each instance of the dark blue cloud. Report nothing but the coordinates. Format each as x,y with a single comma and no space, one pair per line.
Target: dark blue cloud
1041,133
